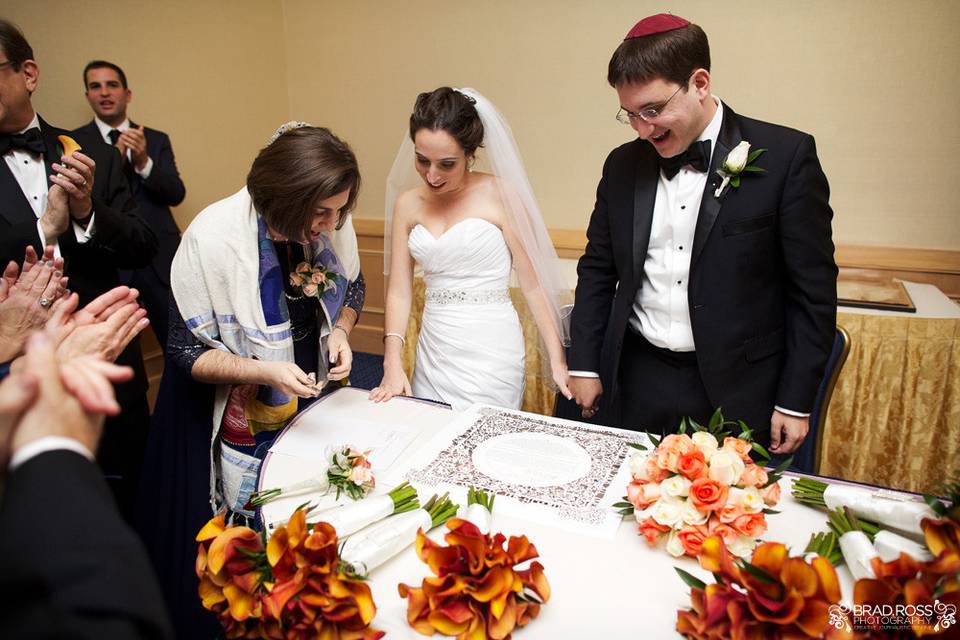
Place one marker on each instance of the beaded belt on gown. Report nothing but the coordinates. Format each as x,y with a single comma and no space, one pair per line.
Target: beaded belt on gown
436,295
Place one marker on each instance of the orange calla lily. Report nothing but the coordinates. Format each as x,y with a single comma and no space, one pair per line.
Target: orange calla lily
476,592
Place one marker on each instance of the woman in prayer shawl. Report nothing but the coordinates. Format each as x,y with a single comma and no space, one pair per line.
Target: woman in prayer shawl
266,290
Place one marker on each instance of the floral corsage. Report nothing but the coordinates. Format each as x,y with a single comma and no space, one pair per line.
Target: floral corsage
740,159
312,282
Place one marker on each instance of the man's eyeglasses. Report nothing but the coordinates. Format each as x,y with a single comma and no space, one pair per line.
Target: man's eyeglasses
650,113
8,63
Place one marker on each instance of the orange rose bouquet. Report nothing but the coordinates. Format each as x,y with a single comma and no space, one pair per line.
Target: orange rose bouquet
772,595
478,591
692,486
288,587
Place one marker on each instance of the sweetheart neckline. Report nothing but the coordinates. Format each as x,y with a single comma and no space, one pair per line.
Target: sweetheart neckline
454,226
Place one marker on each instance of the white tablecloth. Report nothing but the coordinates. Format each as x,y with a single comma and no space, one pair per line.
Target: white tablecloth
609,589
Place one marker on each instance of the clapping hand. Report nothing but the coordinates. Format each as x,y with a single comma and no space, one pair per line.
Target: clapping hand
134,140
75,177
43,398
103,328
27,299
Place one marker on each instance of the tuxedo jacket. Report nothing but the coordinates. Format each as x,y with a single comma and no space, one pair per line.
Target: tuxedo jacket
121,238
762,284
154,195
69,566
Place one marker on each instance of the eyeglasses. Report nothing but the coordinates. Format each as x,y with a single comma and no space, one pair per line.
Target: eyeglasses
8,63
650,113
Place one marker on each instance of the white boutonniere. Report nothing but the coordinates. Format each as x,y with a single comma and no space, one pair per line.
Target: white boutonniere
740,159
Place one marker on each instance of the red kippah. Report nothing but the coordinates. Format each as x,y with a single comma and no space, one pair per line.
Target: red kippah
660,23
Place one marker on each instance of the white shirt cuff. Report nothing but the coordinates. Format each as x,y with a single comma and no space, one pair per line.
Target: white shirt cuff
147,168
584,374
43,445
83,235
43,240
796,414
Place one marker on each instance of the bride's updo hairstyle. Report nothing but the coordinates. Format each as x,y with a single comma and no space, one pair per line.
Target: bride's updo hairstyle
447,109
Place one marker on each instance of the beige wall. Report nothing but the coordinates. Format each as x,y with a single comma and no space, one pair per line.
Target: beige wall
211,74
871,79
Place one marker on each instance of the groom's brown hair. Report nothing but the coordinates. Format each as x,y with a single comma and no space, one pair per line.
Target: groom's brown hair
672,56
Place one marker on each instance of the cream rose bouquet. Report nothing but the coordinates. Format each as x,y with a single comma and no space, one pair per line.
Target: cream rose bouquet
700,484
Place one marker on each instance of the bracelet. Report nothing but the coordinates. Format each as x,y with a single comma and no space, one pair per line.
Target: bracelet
336,326
403,340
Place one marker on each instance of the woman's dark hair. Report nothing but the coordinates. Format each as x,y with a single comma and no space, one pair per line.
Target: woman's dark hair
295,172
446,109
672,56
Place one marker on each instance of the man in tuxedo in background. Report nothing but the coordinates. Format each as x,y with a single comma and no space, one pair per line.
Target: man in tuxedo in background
151,173
81,205
69,566
694,292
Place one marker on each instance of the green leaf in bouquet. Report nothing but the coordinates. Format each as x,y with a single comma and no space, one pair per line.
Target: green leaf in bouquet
683,426
783,466
653,440
716,420
934,503
758,573
761,450
691,580
625,512
770,512
637,445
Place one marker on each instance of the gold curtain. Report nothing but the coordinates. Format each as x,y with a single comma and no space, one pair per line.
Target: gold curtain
894,418
538,397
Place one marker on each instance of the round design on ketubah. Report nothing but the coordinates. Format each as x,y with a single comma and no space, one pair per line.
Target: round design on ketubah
513,458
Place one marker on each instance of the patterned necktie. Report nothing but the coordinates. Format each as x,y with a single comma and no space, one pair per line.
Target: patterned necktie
697,156
29,140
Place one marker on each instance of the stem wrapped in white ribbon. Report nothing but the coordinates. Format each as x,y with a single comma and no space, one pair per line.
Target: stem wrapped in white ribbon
868,504
479,515
858,551
889,546
371,547
350,518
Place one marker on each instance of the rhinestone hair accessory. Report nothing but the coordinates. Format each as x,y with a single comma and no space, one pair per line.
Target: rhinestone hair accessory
288,126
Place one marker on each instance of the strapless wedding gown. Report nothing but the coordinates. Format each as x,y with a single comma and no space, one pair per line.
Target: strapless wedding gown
470,347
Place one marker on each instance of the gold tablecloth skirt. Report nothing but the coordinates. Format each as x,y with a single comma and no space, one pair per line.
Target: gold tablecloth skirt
894,419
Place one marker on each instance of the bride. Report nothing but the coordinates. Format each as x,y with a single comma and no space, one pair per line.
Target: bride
467,230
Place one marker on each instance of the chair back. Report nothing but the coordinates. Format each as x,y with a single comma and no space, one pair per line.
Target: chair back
807,457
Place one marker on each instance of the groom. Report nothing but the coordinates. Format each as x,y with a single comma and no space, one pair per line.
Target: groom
695,292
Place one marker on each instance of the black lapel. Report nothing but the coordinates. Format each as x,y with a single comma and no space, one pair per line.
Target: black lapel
644,197
710,205
14,206
53,147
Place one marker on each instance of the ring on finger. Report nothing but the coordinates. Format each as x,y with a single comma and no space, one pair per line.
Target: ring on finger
45,302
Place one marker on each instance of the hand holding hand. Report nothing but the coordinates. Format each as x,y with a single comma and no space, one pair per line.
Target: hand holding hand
586,393
558,368
394,383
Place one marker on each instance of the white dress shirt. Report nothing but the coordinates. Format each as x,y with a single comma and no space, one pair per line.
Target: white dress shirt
30,173
105,130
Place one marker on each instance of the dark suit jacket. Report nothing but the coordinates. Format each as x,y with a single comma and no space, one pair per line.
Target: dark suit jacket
69,566
121,239
762,289
155,194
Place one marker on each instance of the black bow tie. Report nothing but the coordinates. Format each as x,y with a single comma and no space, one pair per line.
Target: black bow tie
697,156
31,140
